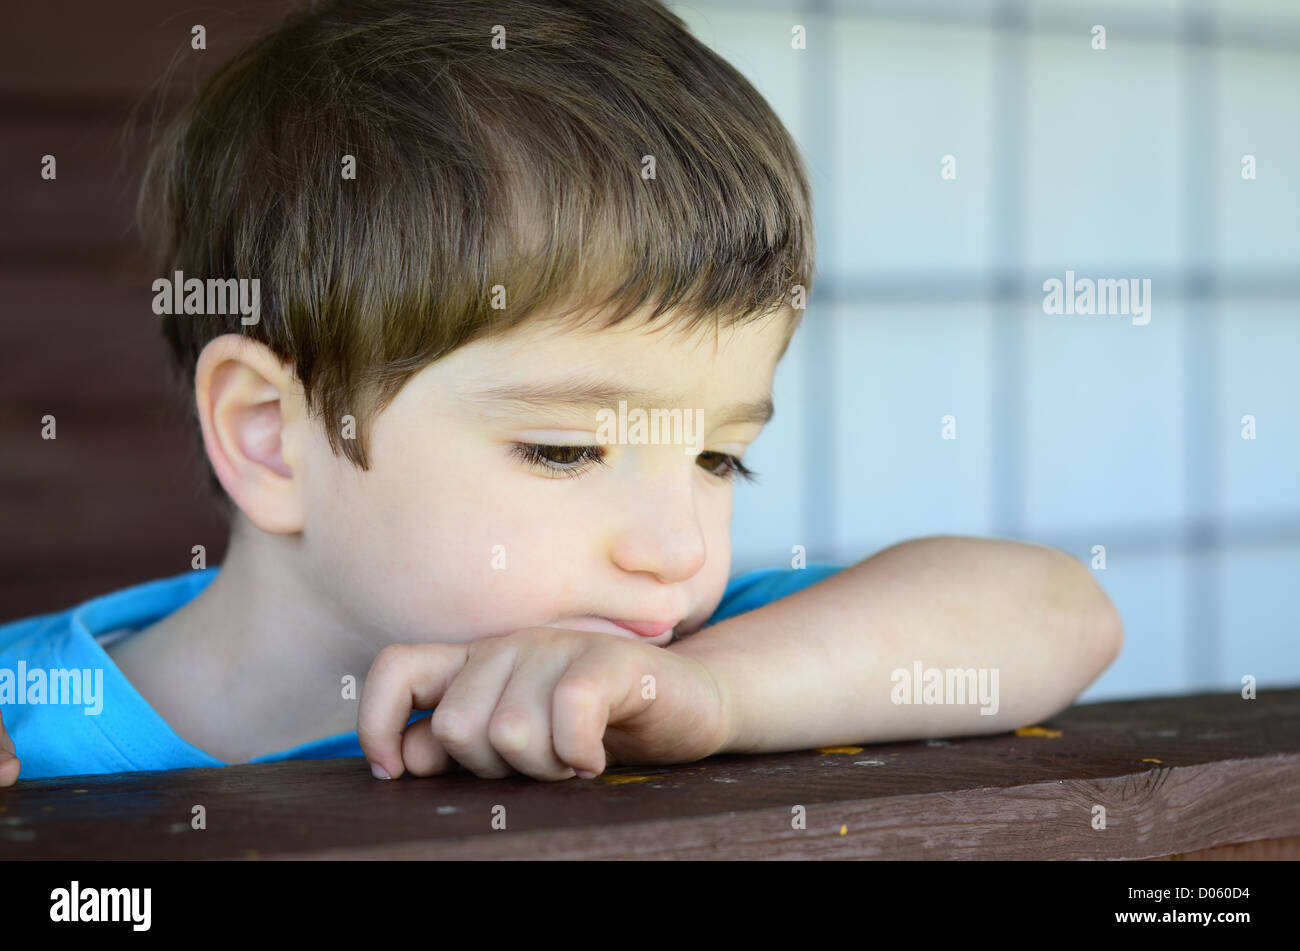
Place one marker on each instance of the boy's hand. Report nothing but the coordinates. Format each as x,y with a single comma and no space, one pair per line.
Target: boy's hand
9,764
543,701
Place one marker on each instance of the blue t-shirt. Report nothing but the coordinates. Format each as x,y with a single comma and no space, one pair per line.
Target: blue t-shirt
70,710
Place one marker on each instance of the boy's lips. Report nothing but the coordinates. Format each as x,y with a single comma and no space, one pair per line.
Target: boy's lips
591,622
644,628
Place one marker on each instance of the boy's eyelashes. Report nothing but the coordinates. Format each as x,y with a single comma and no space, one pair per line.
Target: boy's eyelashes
572,461
565,461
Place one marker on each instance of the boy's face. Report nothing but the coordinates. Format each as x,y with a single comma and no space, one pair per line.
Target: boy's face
453,535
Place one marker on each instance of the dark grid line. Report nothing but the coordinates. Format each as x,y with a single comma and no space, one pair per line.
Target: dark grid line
1202,609
1007,240
820,415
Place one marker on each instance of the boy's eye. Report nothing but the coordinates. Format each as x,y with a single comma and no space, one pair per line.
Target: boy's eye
569,461
561,460
732,466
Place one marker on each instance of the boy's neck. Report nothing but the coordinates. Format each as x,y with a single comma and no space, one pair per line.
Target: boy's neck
255,663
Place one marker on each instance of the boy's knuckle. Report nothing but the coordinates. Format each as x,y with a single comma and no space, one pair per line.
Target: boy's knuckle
509,731
542,767
577,692
451,729
389,659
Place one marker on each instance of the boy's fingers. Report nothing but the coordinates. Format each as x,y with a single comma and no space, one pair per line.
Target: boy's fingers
520,728
580,712
422,754
404,677
462,721
9,765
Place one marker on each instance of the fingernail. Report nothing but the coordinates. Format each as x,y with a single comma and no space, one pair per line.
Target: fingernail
584,774
378,771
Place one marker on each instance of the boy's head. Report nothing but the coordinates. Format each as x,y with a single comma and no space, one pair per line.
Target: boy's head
447,204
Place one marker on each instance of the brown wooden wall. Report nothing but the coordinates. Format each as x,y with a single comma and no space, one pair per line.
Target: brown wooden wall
116,498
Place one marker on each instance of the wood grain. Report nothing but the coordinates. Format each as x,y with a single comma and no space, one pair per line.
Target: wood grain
1228,772
117,499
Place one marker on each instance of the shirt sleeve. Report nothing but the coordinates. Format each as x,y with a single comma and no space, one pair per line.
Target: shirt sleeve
765,585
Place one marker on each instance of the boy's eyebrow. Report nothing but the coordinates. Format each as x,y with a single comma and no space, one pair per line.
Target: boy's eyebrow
593,394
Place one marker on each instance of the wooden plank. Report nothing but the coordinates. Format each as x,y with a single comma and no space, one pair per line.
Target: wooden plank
104,506
1264,850
112,54
81,220
81,343
82,80
1175,775
116,498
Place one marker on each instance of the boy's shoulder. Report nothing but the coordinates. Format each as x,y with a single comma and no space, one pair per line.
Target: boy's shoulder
130,607
68,708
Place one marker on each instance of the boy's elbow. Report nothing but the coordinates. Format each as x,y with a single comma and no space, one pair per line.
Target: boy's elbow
1091,629
1100,629
1107,631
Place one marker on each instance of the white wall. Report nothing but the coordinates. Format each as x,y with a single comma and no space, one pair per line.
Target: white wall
1072,431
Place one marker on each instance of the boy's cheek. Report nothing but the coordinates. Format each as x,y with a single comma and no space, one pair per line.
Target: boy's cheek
447,559
440,585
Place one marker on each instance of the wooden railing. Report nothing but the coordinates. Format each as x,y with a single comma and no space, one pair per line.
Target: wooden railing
1187,777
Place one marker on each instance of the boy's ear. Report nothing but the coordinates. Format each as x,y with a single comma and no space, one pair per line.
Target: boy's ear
253,415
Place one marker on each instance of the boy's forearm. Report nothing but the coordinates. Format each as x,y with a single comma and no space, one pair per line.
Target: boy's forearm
816,668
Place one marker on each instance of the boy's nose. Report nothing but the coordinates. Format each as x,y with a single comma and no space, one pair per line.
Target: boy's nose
661,535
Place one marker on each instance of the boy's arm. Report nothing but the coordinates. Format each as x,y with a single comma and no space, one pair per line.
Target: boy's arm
814,669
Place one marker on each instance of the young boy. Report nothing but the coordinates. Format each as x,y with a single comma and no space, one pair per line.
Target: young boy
489,237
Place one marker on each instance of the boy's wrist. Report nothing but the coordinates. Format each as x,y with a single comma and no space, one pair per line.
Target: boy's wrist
730,742
730,726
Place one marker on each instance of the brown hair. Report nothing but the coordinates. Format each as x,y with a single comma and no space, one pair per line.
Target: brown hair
475,166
